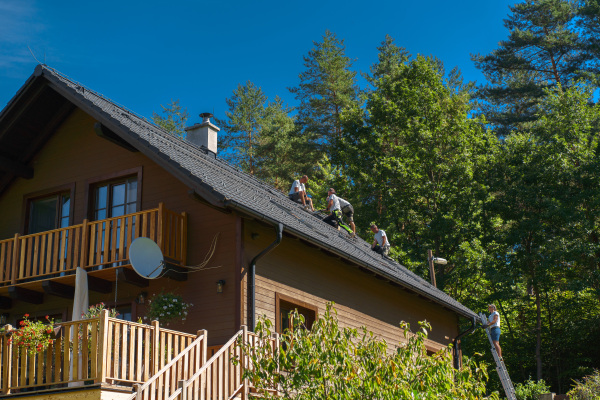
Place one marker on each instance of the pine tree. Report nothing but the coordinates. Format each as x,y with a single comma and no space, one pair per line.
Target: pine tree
544,49
174,121
326,87
243,125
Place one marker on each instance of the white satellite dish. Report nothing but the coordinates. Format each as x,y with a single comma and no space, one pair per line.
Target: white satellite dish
146,258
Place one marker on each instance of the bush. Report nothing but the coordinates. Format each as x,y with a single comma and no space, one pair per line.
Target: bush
330,362
587,389
530,390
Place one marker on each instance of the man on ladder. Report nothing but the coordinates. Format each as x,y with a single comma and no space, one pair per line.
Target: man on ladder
494,324
491,325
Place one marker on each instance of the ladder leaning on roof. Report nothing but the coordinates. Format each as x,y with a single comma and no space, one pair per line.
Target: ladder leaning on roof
500,367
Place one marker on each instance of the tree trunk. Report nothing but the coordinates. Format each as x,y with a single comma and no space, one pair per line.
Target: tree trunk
538,333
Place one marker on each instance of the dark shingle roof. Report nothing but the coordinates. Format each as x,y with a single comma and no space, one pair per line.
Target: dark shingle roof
225,185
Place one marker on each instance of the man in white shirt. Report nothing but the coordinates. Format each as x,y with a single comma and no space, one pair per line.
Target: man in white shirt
298,192
348,212
335,218
494,323
380,243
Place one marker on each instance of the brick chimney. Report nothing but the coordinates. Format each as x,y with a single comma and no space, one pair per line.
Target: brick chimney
203,134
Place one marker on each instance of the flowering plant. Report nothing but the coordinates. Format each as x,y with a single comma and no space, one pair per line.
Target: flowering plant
33,336
96,309
167,307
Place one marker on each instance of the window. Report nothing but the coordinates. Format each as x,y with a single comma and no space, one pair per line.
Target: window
48,212
285,304
114,195
113,199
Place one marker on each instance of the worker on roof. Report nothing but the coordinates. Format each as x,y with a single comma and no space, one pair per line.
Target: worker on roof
335,217
298,193
380,243
348,212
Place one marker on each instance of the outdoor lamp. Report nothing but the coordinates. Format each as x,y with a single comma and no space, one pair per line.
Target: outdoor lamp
220,284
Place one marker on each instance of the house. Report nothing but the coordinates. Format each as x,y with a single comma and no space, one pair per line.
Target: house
81,177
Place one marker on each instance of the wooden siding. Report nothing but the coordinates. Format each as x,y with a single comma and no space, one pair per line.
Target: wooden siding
75,155
311,276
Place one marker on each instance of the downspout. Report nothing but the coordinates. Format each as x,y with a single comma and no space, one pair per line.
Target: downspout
456,343
252,275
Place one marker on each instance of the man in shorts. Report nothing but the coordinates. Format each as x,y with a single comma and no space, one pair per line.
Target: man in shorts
494,323
348,212
298,193
334,206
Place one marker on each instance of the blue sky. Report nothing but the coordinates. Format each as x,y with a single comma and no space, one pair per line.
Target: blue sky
144,53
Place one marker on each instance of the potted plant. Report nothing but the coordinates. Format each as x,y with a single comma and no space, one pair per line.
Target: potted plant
33,336
166,308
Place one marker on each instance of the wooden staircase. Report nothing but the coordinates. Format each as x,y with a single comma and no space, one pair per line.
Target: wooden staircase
201,379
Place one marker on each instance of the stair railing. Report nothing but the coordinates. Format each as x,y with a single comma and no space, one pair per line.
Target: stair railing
162,385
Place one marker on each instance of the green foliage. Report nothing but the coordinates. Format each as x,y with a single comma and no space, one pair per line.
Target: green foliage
530,390
96,309
166,308
174,120
419,169
587,389
33,336
327,86
262,139
345,363
544,49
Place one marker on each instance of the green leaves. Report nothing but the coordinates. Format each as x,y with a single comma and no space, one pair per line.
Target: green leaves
329,362
174,120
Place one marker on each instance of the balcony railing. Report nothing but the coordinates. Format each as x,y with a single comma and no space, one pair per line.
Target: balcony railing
99,350
95,244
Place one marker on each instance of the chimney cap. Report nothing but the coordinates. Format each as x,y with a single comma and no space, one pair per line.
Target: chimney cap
206,115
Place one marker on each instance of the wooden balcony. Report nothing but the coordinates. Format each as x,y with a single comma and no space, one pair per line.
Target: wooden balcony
102,350
94,245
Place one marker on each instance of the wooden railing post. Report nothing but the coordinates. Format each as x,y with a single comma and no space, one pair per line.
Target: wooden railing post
15,260
138,391
102,347
275,337
7,359
85,248
202,357
160,227
244,362
183,387
184,238
155,347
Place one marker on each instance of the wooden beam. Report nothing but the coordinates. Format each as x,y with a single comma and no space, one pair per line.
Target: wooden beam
131,277
112,137
16,167
58,289
5,303
26,295
99,285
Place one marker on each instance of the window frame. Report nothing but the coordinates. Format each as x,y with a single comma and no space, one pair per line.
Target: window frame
90,185
53,191
279,298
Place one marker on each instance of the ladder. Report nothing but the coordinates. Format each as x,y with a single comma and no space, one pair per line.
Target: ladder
500,367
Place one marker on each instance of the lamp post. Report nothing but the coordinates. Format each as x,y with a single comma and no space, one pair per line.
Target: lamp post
434,260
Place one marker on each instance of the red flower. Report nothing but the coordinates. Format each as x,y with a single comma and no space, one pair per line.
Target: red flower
26,316
47,317
22,323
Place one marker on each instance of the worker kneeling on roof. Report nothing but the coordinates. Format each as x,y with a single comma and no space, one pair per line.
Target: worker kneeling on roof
335,218
298,193
380,243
